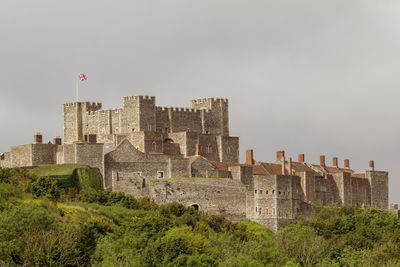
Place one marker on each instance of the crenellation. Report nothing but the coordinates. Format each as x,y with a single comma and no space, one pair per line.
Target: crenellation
152,143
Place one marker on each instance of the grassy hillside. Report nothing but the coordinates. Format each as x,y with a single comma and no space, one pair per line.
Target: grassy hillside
42,224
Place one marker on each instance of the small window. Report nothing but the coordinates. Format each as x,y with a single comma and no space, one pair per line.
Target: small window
228,150
149,127
260,191
267,212
208,149
255,191
256,209
273,211
187,129
266,192
273,191
280,192
160,174
154,147
133,129
206,132
259,211
166,130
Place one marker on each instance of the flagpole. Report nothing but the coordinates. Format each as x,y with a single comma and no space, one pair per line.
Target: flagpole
77,88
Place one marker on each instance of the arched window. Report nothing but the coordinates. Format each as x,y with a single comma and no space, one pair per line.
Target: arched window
195,206
228,150
154,146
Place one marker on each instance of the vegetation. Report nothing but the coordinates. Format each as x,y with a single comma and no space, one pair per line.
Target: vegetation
45,223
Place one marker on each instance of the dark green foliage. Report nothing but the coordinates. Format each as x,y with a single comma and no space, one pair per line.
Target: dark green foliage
86,226
45,186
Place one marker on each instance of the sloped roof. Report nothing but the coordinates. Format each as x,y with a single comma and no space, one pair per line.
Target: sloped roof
329,169
224,166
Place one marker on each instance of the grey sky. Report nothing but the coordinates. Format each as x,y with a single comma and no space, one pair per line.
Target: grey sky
314,77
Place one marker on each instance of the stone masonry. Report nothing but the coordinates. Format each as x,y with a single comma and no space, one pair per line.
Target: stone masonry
186,155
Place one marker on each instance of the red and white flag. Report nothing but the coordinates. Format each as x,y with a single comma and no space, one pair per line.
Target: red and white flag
82,77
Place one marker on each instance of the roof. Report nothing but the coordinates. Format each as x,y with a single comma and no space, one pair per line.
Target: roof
329,169
224,166
359,175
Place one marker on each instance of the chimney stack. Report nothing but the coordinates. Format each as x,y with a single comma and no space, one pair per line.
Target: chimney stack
322,160
301,158
57,140
371,165
283,165
37,138
335,162
347,164
249,157
290,166
280,155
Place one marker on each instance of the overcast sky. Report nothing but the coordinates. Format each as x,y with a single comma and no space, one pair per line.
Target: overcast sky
314,77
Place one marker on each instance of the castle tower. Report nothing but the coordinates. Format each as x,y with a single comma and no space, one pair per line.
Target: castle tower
378,181
73,119
139,113
214,115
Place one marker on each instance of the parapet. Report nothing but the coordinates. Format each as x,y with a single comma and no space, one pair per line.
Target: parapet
140,97
210,99
90,106
177,109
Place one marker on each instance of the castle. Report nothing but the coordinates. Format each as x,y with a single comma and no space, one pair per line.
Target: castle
186,155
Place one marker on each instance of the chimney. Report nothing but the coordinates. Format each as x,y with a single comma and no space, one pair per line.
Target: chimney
280,155
301,158
290,166
283,165
347,164
249,157
322,160
57,140
37,138
335,162
371,165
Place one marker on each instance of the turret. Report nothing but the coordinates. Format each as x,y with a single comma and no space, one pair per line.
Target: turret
214,115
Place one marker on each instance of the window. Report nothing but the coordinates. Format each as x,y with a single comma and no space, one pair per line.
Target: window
273,191
149,127
228,150
273,211
133,129
188,130
260,191
160,174
279,192
206,132
208,149
259,211
266,192
166,130
256,209
154,146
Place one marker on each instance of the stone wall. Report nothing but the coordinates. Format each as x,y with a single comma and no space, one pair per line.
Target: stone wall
378,181
5,160
43,154
21,156
224,197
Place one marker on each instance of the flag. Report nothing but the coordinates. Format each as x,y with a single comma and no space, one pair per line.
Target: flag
82,77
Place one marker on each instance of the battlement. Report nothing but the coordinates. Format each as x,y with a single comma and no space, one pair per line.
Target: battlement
210,99
177,109
91,106
140,97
